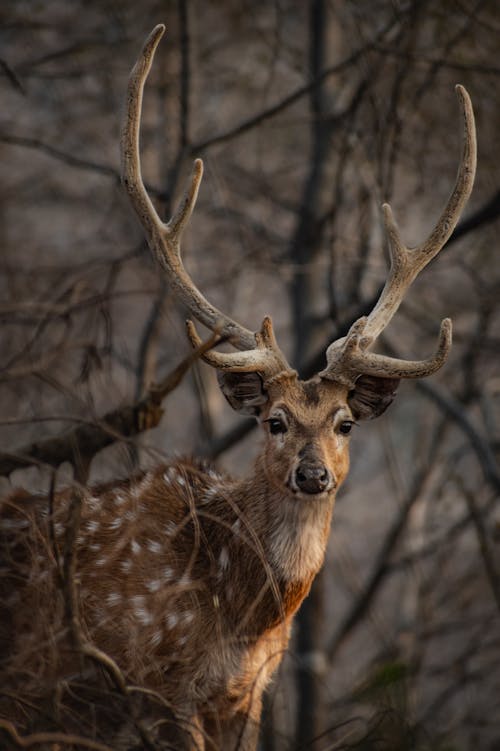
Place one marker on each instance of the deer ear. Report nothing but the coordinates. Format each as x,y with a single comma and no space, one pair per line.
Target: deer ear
244,391
371,396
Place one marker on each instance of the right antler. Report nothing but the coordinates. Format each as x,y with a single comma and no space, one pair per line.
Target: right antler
348,358
259,350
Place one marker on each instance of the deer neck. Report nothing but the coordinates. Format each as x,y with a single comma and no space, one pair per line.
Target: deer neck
293,531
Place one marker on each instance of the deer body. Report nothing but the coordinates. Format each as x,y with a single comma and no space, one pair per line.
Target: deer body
190,579
186,578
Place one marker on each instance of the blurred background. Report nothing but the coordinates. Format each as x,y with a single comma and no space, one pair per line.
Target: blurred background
308,115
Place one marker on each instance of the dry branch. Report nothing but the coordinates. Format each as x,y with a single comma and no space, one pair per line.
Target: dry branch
87,440
42,739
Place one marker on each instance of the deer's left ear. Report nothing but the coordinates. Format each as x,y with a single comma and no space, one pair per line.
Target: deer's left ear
244,391
371,396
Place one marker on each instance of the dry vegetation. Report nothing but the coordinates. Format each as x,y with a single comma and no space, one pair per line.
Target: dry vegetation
308,116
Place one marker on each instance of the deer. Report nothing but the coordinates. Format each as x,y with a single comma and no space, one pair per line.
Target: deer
186,578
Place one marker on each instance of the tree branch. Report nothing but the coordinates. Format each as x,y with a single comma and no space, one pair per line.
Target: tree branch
87,440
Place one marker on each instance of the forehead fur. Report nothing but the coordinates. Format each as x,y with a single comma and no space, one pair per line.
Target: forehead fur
313,391
316,394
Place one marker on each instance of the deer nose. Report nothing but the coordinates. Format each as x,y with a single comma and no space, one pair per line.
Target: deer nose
313,478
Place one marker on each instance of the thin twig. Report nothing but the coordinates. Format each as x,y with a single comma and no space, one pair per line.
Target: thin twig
484,546
124,422
381,566
455,410
70,159
290,99
38,739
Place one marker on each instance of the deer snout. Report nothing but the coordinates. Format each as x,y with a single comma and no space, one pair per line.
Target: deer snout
313,478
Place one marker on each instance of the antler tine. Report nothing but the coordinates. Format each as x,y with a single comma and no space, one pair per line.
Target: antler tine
265,358
407,263
164,239
348,361
348,355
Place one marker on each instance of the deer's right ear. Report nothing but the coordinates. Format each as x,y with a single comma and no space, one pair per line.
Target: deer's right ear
244,391
371,396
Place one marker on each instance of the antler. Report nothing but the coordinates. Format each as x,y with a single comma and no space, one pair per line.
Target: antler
348,358
262,353
266,358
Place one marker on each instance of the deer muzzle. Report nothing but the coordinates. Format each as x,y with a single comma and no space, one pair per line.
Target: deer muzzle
312,477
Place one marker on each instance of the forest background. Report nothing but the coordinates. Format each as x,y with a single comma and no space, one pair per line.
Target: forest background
308,115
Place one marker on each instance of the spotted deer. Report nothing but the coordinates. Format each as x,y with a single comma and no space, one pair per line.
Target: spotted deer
186,578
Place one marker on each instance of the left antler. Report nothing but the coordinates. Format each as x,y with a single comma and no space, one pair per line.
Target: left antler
165,238
259,351
348,358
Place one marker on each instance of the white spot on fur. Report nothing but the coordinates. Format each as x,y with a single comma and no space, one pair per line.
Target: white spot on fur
130,515
170,528
156,639
153,585
116,523
92,525
168,573
144,616
185,580
120,499
187,617
95,547
136,548
94,502
126,565
171,620
154,546
113,598
135,491
223,562
101,562
209,494
170,475
58,529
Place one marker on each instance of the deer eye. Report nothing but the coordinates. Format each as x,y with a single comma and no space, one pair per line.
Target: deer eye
345,427
276,425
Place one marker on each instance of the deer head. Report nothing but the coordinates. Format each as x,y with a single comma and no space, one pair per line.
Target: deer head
307,423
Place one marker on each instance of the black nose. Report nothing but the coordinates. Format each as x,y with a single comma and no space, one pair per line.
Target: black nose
312,478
